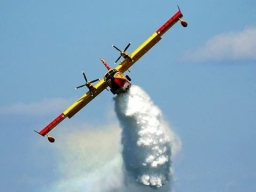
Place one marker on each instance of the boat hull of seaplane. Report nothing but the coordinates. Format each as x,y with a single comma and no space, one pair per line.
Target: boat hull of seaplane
117,82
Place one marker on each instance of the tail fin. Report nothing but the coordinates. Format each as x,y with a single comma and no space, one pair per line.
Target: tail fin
105,64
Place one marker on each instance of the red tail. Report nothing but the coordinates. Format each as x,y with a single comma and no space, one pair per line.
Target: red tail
105,63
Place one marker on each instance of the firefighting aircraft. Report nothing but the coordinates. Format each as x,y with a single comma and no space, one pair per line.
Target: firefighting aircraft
114,79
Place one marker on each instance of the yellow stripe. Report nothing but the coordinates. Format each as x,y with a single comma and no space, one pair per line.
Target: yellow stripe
84,100
145,46
139,52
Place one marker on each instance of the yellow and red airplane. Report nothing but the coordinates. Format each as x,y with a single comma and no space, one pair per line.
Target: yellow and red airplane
114,78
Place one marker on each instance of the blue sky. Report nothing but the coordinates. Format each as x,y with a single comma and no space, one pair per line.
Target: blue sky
203,78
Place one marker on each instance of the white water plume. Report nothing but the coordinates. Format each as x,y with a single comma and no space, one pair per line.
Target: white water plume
148,142
93,159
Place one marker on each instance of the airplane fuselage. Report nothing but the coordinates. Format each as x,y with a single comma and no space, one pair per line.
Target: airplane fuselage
117,82
114,78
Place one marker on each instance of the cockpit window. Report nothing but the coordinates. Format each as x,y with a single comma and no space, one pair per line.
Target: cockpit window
110,73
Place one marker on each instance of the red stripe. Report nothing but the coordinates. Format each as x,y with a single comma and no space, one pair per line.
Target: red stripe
119,82
170,22
49,127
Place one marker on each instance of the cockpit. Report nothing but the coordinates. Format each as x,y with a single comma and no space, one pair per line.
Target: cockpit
110,74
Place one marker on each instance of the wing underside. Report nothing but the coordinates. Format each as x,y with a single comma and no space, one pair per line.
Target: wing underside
149,43
75,107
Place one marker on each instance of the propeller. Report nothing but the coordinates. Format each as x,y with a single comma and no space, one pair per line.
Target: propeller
88,84
122,53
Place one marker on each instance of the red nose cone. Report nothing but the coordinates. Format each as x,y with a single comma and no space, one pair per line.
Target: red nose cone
184,23
51,139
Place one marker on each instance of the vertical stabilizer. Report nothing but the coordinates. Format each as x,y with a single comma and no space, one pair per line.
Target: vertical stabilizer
105,64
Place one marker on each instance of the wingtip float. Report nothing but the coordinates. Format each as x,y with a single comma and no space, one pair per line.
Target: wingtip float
114,79
182,21
49,137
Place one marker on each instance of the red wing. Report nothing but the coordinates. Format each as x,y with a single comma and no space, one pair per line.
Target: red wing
150,42
73,109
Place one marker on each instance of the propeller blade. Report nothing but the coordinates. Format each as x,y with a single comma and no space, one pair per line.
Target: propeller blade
94,80
117,48
85,77
122,53
118,58
87,84
127,46
80,86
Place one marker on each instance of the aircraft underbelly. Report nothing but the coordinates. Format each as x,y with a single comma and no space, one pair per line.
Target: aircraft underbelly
117,82
120,85
120,82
